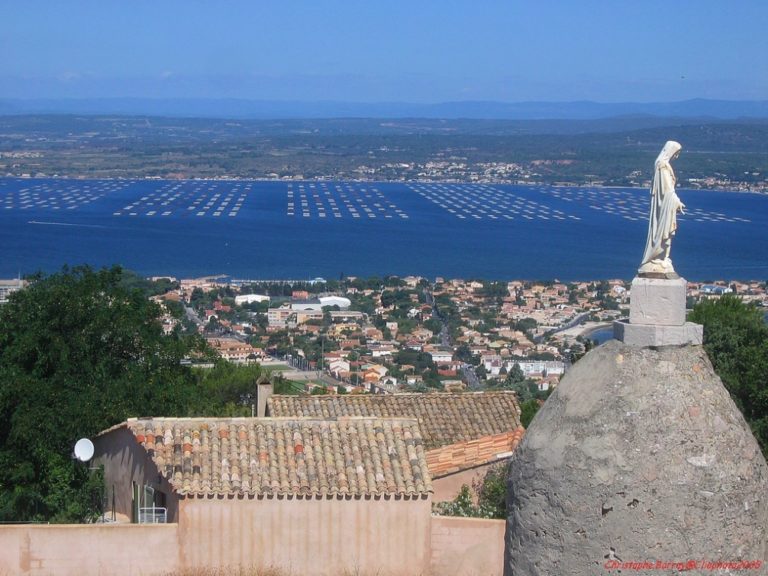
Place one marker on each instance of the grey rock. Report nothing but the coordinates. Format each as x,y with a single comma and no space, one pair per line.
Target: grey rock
640,455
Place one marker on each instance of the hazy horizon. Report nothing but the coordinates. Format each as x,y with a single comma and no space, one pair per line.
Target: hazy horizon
699,109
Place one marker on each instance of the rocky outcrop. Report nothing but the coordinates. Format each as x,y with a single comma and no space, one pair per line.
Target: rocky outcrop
639,456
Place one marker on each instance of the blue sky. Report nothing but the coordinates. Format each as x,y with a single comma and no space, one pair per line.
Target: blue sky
375,51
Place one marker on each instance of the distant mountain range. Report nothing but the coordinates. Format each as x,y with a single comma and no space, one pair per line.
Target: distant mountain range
265,109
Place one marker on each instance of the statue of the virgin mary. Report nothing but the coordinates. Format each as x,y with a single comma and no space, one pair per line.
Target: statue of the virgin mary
663,220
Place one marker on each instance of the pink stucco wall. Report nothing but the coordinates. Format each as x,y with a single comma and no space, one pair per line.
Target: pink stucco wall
88,550
467,546
308,536
316,537
447,487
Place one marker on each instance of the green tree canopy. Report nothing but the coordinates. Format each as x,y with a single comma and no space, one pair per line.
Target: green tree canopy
81,351
528,410
78,352
736,340
515,376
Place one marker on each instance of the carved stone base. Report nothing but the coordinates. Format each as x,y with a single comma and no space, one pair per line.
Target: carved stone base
652,335
657,315
657,301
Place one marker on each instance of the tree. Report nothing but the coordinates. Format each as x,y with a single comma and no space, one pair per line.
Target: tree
526,325
388,298
79,352
736,340
515,376
221,390
528,410
433,325
463,353
490,494
496,290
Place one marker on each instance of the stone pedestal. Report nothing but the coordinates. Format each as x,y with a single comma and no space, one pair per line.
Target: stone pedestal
658,335
660,302
657,315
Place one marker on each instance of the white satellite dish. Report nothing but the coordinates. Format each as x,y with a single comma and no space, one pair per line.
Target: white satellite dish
84,450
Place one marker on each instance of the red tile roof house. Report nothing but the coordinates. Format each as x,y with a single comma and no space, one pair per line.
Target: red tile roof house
344,484
310,496
463,433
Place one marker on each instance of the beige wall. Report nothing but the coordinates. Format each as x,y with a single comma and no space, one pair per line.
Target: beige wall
448,487
302,537
308,537
88,550
467,546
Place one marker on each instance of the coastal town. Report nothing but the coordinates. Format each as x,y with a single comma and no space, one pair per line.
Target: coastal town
383,289
387,335
536,171
443,167
369,150
392,334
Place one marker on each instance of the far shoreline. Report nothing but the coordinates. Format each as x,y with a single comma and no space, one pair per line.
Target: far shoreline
761,192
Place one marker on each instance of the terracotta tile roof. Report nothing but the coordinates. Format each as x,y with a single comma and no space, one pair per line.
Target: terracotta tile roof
276,456
463,455
444,418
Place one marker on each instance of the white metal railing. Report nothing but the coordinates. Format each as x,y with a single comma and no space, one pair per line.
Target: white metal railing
153,515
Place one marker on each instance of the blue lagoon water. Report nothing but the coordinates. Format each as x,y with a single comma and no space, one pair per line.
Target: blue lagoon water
269,230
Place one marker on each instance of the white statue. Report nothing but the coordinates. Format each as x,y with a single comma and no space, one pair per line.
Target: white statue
663,220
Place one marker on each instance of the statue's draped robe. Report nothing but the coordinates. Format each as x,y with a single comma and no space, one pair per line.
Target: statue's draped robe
664,206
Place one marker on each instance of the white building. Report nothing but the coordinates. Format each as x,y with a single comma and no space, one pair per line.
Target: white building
8,287
340,301
312,304
250,299
439,356
537,368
